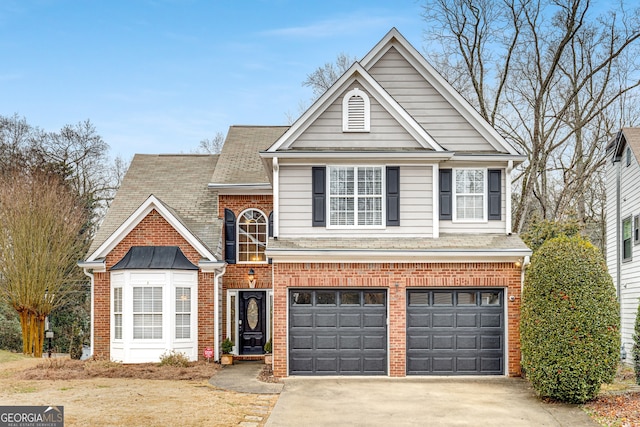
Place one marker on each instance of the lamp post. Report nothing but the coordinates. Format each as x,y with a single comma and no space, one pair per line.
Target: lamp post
47,326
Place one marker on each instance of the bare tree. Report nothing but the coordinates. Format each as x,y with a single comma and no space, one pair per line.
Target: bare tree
550,78
211,146
40,241
325,76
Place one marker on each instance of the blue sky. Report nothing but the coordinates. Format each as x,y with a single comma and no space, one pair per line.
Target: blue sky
158,76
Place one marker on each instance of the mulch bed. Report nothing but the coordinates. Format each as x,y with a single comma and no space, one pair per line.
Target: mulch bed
619,409
68,369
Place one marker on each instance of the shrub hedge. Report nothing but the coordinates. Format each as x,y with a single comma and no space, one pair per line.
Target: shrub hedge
570,321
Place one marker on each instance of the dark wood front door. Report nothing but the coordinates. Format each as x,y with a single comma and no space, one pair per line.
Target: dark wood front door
252,322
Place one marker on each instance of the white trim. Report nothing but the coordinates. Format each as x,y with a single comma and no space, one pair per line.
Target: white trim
359,74
435,188
217,316
394,39
152,203
276,200
410,156
236,292
507,184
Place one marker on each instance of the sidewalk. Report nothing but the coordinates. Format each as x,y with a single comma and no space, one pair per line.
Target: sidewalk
243,378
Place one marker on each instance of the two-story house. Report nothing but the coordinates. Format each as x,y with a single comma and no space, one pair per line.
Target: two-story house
371,237
622,176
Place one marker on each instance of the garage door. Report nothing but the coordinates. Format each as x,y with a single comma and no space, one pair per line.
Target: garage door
337,332
455,332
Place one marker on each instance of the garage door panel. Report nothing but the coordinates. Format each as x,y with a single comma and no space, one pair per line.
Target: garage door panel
301,320
302,342
491,320
467,342
443,320
442,342
350,320
467,320
328,342
349,338
455,332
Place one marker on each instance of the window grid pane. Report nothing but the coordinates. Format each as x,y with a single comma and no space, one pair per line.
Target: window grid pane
147,312
351,200
117,313
183,313
252,236
470,189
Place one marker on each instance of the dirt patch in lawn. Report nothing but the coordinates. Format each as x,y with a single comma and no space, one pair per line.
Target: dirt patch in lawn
618,404
102,393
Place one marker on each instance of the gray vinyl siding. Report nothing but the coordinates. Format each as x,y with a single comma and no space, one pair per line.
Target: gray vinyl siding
326,131
422,101
630,270
416,205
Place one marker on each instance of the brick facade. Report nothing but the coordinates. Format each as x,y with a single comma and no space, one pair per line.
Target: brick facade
396,278
153,230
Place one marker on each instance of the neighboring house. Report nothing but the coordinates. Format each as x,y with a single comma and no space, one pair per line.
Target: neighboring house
372,237
623,227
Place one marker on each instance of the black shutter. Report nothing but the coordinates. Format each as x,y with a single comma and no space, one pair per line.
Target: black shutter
393,195
319,182
446,194
495,194
229,237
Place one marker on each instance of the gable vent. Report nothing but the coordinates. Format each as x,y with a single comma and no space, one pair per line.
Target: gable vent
355,107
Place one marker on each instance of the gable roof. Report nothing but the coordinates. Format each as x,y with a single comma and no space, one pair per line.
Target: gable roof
239,163
356,72
175,186
394,39
631,136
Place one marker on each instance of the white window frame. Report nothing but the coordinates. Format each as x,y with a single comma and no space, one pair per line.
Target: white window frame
346,111
177,313
117,314
628,218
454,206
238,231
356,196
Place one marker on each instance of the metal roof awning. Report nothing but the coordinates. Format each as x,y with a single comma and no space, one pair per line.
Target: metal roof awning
154,258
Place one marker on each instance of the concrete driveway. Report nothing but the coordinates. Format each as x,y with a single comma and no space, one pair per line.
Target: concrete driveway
418,401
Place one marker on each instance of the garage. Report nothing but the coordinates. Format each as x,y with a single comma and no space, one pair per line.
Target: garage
337,332
455,332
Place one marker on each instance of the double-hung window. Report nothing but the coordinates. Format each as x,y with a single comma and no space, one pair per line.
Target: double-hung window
469,194
183,313
355,196
147,313
117,313
627,235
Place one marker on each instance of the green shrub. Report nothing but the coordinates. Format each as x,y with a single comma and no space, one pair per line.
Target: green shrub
10,329
227,346
541,230
174,358
267,346
569,328
636,347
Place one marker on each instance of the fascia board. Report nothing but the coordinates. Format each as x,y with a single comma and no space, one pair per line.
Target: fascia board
331,255
397,40
136,217
363,155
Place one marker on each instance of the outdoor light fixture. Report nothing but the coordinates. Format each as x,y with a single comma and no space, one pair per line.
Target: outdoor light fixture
517,264
252,278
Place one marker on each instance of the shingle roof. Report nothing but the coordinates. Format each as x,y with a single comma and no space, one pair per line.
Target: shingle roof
457,242
632,136
180,182
240,161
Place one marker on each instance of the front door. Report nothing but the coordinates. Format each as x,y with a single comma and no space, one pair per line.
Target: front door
252,322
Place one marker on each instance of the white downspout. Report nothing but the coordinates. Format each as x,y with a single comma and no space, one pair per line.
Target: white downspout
276,198
508,197
90,275
217,315
435,172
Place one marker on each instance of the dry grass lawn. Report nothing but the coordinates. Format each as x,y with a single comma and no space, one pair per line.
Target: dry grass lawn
99,393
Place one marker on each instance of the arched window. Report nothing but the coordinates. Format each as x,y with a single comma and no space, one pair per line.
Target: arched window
355,111
252,236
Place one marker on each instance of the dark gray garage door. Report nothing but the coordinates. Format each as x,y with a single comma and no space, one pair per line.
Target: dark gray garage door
455,332
337,332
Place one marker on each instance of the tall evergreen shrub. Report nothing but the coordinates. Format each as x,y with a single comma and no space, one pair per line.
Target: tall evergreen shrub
569,329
